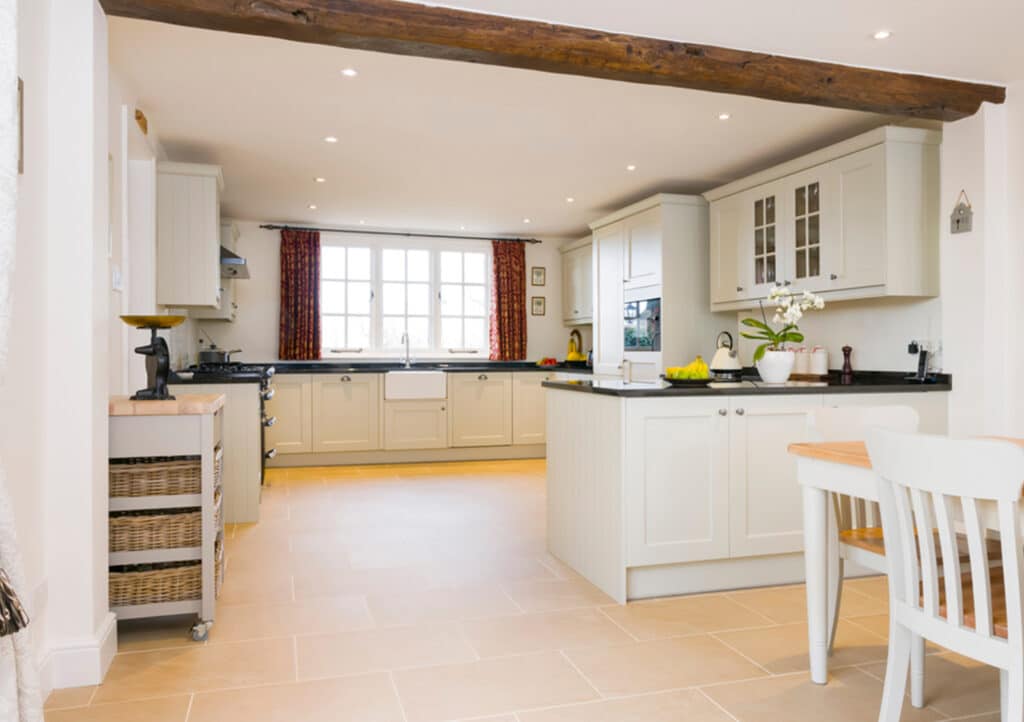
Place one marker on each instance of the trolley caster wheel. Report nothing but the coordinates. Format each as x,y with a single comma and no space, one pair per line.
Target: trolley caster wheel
201,631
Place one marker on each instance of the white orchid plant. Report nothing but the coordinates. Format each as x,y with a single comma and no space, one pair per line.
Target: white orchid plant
789,309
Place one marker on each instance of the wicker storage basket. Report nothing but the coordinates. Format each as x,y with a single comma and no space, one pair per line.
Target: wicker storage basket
218,467
155,477
218,570
173,582
141,531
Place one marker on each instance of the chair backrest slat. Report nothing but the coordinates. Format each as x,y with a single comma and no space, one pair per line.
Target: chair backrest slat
906,548
924,523
978,551
1013,563
952,579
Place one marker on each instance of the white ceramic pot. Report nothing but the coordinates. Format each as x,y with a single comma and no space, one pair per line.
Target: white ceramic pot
776,366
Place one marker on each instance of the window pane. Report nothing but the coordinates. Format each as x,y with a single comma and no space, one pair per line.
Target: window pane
801,233
359,297
813,230
759,242
391,331
801,201
475,267
394,299
332,262
451,333
759,213
419,299
332,331
451,300
359,264
419,332
474,333
358,331
769,210
769,239
393,265
801,263
475,301
418,265
451,267
813,262
332,297
813,198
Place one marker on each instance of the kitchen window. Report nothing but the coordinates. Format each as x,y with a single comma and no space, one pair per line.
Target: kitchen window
373,294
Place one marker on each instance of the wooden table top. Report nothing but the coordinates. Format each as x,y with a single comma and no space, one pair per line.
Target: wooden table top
850,453
182,405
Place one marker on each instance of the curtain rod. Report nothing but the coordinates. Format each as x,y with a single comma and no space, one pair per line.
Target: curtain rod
407,234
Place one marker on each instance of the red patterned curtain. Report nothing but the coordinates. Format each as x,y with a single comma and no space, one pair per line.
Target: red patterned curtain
508,302
299,326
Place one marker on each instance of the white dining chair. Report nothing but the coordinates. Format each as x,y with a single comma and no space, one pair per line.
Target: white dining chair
932,482
857,521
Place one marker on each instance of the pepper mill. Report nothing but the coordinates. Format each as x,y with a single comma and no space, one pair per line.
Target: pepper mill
846,378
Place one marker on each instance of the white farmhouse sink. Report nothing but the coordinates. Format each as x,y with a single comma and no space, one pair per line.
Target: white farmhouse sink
407,385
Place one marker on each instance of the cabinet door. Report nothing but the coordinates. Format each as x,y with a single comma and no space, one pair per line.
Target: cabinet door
528,408
608,326
415,424
806,212
643,248
292,407
227,308
761,240
854,250
731,270
677,464
346,412
481,409
188,240
765,507
577,289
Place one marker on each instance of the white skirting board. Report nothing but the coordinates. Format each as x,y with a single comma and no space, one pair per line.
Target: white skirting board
410,456
78,663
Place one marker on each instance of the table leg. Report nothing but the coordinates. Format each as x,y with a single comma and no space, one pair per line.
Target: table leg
816,572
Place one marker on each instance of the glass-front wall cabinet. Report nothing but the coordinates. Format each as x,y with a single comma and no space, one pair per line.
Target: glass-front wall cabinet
807,231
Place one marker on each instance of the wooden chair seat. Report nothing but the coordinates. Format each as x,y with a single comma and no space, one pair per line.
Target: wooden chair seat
870,539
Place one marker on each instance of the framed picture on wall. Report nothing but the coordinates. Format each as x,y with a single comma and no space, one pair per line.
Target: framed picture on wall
538,306
538,276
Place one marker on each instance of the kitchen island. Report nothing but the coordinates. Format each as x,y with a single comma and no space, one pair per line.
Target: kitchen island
655,491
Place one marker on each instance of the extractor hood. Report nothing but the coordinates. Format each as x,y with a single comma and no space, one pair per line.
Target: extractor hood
232,265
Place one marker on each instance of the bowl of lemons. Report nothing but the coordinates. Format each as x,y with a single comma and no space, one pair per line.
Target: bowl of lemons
695,373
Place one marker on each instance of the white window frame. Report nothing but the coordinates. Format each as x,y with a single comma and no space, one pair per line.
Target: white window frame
377,245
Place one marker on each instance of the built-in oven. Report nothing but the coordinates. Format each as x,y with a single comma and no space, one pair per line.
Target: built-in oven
641,325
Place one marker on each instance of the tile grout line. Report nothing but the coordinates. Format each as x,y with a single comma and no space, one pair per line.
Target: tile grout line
95,691
728,595
188,710
906,697
600,610
398,696
585,678
709,698
295,656
734,649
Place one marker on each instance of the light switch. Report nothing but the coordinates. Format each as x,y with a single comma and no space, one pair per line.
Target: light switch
115,278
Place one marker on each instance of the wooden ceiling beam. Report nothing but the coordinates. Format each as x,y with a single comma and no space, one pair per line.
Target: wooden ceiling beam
402,28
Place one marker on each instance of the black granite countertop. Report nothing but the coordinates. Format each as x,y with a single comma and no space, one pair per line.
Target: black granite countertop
864,382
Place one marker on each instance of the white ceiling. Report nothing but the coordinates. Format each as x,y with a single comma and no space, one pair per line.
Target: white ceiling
437,145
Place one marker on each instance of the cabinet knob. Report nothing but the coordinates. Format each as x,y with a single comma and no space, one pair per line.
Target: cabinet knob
788,283
481,377
443,408
739,289
723,412
833,276
575,310
346,378
740,412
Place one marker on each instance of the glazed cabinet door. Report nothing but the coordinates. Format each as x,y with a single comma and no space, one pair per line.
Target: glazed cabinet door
761,252
291,406
807,213
481,409
765,503
346,412
528,407
677,463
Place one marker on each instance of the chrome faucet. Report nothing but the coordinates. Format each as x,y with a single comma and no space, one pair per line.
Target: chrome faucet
405,340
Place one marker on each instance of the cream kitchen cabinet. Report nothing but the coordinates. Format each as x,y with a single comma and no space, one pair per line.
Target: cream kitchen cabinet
677,463
346,412
765,503
529,407
642,250
577,283
420,424
227,309
292,407
481,409
855,220
188,234
608,326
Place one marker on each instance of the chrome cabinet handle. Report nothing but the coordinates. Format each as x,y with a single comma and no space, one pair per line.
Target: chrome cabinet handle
268,394
740,412
346,378
739,289
788,283
723,412
270,421
481,377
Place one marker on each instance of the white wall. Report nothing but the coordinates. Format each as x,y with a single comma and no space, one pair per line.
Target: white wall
256,328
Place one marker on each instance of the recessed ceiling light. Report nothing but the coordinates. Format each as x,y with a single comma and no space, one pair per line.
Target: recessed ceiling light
312,206
350,72
526,220
570,199
724,116
883,35
631,167
362,222
462,228
318,179
331,139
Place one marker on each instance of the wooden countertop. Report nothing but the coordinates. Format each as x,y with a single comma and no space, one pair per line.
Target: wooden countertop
182,405
851,453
